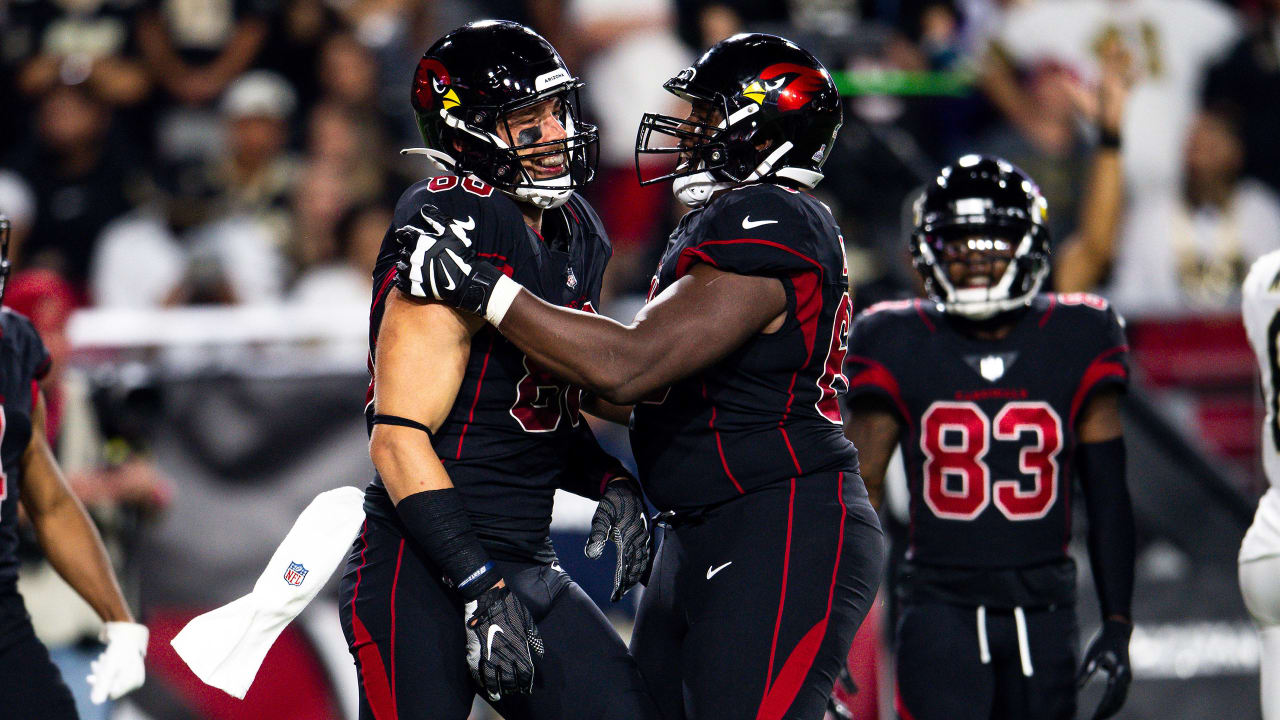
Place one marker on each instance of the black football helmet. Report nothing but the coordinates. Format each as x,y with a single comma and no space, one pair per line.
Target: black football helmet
778,114
987,205
468,83
5,265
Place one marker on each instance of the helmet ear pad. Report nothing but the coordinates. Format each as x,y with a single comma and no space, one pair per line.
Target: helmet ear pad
745,147
740,158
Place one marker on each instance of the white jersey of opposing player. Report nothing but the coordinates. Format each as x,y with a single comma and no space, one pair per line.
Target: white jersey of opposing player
1261,309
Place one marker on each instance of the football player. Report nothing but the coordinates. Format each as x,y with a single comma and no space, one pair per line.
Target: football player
996,394
453,577
773,553
31,688
1260,550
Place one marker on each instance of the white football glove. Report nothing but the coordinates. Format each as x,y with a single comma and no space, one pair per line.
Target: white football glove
119,669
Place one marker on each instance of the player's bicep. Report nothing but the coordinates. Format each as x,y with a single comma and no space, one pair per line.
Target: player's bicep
421,359
1100,418
42,484
704,316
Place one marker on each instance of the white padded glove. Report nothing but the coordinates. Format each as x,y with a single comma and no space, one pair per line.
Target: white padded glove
119,670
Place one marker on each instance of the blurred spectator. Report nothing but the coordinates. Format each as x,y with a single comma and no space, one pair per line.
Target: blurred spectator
1051,147
195,49
1189,252
632,50
82,179
257,176
18,203
343,278
1172,43
338,137
703,24
1249,80
74,41
297,32
348,73
192,252
1085,257
320,202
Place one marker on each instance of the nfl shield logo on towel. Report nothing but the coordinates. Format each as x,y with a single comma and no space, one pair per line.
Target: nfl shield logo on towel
295,574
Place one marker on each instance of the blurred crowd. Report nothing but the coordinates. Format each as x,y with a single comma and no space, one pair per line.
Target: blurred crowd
171,152
161,153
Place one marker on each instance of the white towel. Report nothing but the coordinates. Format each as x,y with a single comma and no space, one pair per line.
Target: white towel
225,647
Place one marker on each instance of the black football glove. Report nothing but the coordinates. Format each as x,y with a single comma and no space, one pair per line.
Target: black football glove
437,261
501,643
620,517
1109,652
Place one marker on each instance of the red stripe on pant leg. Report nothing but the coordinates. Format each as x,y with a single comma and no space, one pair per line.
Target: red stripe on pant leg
782,692
782,599
395,580
373,674
900,706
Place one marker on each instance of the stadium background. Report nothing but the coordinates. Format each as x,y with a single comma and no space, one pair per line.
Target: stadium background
198,188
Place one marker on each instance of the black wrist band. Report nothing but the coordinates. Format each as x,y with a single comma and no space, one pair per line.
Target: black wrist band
439,524
1109,139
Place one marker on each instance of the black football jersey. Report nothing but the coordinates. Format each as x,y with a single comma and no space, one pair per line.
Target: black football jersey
988,425
769,411
23,361
515,433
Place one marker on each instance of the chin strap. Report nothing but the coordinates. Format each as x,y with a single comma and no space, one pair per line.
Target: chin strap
697,190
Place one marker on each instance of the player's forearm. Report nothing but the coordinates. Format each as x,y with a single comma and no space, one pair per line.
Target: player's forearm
73,547
406,461
592,404
1104,201
1112,535
594,352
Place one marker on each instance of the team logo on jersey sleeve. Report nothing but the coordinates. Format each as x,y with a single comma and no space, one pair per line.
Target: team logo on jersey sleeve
295,574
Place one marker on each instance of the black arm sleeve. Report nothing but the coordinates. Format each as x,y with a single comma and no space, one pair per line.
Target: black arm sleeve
1111,529
590,467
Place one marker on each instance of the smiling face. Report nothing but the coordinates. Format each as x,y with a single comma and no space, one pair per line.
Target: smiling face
542,125
976,259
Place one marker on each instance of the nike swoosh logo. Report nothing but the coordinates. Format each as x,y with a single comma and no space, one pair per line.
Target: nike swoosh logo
748,223
449,283
493,630
711,572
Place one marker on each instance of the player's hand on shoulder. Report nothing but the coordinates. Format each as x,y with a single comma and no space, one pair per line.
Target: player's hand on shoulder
502,642
1108,652
119,669
621,517
438,262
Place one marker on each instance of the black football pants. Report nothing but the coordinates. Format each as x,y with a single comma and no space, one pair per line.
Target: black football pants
405,629
31,688
942,674
752,605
